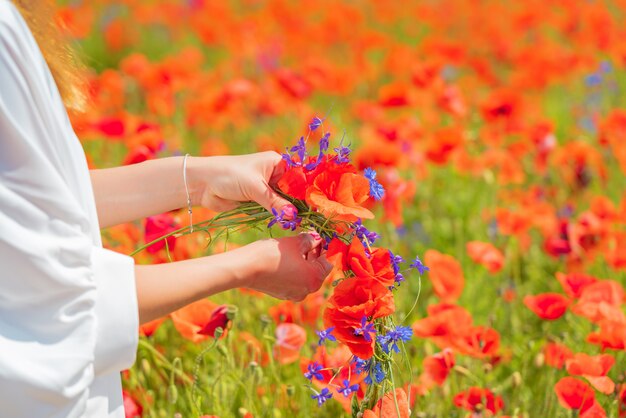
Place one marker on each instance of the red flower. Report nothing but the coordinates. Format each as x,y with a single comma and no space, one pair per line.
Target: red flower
556,354
218,319
445,274
594,369
191,319
437,367
485,254
289,340
548,306
386,406
131,408
352,300
338,192
574,283
376,264
574,394
475,396
156,227
612,334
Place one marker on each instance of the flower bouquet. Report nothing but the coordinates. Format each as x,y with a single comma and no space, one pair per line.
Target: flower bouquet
329,195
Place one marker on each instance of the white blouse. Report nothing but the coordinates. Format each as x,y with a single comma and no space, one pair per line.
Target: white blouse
68,308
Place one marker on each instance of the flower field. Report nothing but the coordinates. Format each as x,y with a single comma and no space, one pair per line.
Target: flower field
480,144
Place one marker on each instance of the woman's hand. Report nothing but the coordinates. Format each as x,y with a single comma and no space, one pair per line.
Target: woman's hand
220,183
287,268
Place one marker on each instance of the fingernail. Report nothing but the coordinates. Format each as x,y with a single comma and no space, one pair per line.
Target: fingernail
315,235
290,211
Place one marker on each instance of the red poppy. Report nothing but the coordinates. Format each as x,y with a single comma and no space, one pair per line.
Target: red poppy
476,397
132,409
289,340
294,183
437,368
549,306
354,299
486,254
612,334
574,283
339,193
158,226
444,325
556,354
191,319
149,328
375,264
218,319
445,275
594,369
574,394
443,144
389,405
477,341
601,301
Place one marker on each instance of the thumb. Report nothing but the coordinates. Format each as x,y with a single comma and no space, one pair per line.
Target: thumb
269,199
309,241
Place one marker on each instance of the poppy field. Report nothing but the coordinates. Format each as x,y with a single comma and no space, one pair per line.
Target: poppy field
464,161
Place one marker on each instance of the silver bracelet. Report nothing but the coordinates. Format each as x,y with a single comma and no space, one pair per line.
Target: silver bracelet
187,191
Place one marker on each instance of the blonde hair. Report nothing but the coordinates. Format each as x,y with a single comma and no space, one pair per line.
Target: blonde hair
56,49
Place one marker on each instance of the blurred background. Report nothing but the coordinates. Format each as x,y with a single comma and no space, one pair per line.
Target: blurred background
498,130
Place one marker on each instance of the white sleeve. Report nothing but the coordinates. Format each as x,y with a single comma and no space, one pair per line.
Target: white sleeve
68,308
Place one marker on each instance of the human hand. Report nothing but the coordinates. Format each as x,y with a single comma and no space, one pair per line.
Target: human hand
220,183
287,268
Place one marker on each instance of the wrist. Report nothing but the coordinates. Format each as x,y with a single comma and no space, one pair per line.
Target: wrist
253,261
201,172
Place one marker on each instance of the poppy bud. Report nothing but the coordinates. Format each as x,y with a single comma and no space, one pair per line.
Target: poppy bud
218,332
517,379
231,312
540,359
145,366
172,394
222,350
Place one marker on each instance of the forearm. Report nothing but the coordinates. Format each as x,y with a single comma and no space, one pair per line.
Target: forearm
132,192
164,288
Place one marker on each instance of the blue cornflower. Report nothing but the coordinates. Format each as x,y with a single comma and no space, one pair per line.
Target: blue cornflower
343,153
369,367
593,80
417,264
346,390
289,160
390,340
313,371
377,191
365,330
363,233
279,218
395,263
315,123
326,334
324,143
300,149
322,397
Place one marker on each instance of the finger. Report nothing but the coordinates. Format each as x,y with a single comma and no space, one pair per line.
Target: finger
323,267
268,198
314,253
308,242
222,205
278,171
